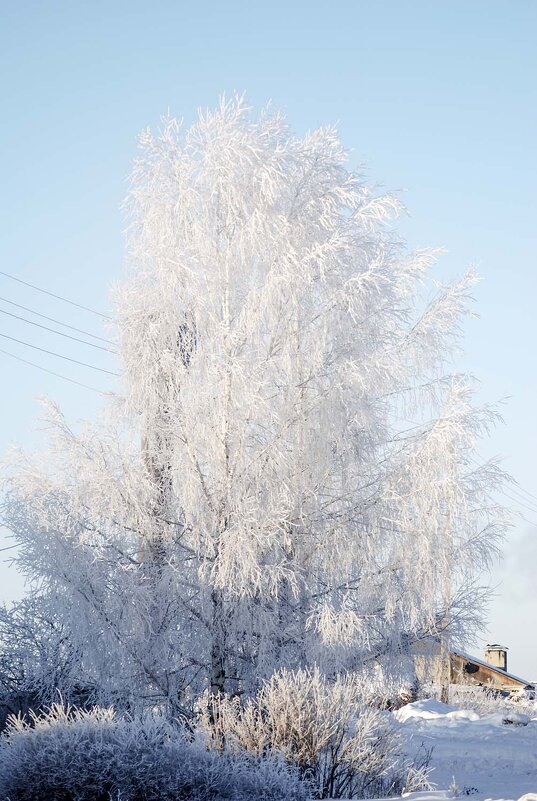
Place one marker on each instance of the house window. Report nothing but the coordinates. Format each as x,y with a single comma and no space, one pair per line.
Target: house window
469,667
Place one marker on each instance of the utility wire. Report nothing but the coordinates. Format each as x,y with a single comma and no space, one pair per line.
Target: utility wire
520,489
526,520
526,503
51,372
53,295
522,495
10,547
521,500
60,333
53,320
59,355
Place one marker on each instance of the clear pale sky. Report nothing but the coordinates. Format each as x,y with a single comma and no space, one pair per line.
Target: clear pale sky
438,98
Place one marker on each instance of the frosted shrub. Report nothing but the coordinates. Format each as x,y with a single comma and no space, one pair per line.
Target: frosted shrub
73,755
486,701
482,700
342,747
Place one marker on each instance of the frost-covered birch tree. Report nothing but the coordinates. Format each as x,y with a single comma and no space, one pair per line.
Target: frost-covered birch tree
289,478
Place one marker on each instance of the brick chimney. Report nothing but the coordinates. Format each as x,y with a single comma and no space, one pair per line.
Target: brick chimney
496,655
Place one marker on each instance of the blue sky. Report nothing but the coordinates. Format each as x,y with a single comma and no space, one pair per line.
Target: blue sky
438,98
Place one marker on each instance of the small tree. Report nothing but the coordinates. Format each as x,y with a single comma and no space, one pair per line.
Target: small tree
37,662
305,492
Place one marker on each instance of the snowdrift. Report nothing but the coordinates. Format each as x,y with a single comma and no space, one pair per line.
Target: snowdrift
491,756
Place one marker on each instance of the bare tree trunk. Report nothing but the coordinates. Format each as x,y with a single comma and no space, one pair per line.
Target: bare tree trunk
157,448
218,645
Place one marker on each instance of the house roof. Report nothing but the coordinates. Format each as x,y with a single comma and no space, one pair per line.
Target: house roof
493,668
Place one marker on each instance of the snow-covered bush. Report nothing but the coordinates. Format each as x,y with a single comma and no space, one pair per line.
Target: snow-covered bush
74,755
487,701
482,700
342,747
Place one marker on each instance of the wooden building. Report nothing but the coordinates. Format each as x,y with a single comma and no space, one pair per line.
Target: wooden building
490,672
433,665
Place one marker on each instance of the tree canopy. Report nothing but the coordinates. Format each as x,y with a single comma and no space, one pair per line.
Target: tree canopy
289,478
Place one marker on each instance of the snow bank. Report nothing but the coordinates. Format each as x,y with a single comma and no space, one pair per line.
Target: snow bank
443,795
429,709
492,756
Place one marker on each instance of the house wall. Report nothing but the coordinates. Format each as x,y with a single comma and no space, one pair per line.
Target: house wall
430,667
464,671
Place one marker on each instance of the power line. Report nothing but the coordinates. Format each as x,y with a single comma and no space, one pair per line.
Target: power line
529,503
60,333
522,494
59,355
521,500
53,295
525,491
526,503
526,520
51,372
58,322
519,490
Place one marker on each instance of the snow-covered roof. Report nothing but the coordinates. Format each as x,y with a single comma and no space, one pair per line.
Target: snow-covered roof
494,669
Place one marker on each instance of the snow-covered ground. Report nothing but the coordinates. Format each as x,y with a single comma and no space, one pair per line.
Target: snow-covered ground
491,756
